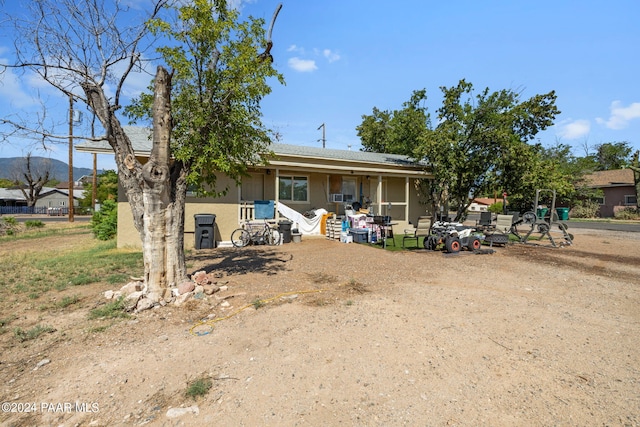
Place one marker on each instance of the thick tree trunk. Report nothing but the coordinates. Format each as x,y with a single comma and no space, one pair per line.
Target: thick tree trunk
156,190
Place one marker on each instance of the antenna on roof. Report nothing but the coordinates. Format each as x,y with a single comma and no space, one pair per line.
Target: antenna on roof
324,140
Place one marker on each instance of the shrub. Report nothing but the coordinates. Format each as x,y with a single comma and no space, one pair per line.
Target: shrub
104,223
34,223
31,334
199,387
585,209
9,226
627,213
495,208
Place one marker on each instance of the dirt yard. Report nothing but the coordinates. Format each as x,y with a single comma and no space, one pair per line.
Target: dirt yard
345,334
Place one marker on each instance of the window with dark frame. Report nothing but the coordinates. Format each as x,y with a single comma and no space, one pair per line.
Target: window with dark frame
293,188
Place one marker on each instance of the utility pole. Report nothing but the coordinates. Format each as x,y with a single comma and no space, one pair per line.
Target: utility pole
71,158
324,140
94,182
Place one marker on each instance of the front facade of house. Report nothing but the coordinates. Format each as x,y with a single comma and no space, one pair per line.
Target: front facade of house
303,179
49,198
618,187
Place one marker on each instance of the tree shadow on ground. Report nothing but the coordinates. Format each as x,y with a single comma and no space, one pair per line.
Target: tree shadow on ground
232,261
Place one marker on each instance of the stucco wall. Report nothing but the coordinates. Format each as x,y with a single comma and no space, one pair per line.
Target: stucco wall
614,196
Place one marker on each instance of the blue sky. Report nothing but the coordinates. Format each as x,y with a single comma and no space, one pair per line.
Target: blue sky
342,58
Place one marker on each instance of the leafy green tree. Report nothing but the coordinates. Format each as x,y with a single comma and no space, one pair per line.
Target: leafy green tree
107,188
397,131
613,155
218,77
7,183
481,141
206,116
104,223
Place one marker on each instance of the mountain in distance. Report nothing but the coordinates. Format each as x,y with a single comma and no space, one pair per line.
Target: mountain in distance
59,170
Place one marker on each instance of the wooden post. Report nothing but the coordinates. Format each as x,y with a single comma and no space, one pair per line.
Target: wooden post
71,158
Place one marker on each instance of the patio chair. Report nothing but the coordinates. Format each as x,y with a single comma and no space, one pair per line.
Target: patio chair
503,229
422,229
486,221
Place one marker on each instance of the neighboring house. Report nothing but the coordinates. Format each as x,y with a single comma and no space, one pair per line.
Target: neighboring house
618,187
302,178
56,198
481,204
49,198
12,197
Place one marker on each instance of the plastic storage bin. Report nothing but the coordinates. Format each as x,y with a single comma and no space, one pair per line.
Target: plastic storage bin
360,235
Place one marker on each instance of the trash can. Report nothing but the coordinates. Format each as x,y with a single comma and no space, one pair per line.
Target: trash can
541,212
284,227
205,227
563,214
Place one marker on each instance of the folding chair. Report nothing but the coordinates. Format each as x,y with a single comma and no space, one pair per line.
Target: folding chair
423,229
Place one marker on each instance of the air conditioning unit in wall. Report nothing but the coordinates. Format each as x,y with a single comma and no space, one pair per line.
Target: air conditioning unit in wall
336,198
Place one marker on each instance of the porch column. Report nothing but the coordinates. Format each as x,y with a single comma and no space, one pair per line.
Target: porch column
277,193
379,195
406,198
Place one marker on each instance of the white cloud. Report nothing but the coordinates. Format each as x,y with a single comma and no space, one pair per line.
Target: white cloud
330,55
302,65
12,89
620,116
296,49
574,129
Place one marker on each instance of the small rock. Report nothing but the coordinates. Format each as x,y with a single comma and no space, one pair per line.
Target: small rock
108,294
42,363
200,277
144,304
154,297
178,412
181,299
131,287
224,304
131,300
185,287
163,338
210,289
198,289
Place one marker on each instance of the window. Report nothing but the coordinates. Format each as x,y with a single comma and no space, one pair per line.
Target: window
349,189
293,188
630,200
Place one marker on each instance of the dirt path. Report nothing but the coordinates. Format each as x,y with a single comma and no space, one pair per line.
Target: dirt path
527,336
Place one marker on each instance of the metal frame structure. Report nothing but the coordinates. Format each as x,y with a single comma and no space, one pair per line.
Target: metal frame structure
544,224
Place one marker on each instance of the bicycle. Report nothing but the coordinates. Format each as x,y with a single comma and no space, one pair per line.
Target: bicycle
256,234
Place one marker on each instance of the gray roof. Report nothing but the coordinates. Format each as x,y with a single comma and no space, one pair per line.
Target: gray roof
16,194
6,194
141,141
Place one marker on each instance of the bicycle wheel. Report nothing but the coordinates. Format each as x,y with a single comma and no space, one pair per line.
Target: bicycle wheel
272,236
240,237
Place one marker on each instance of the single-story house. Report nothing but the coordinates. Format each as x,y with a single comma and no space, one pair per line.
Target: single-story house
57,198
481,204
619,190
13,201
300,179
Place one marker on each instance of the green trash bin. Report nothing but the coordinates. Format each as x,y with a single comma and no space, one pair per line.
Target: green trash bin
563,214
541,212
